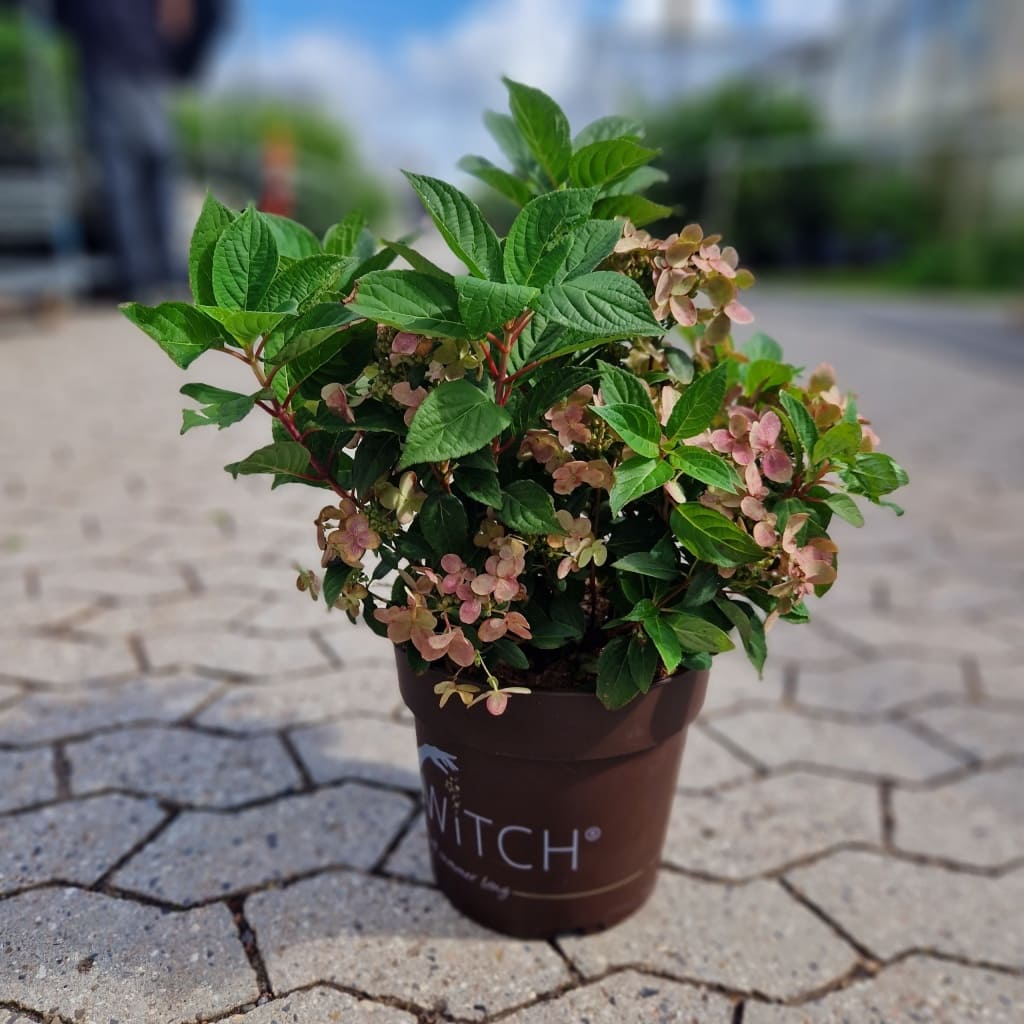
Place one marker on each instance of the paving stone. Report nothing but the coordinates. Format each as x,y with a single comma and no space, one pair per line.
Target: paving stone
389,939
182,765
311,698
630,998
40,717
751,937
987,732
878,687
292,612
811,644
322,1006
62,662
95,959
16,1018
734,681
360,748
358,645
9,692
978,820
45,612
878,749
26,777
1005,682
917,990
111,580
181,613
234,653
76,841
892,906
708,763
205,855
411,858
766,824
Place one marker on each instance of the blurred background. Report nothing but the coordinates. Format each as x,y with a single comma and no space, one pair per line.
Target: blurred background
853,142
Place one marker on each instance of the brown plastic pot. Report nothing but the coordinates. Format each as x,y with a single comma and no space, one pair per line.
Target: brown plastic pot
550,818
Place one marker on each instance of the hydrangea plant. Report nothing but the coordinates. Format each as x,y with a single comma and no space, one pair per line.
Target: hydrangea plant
555,468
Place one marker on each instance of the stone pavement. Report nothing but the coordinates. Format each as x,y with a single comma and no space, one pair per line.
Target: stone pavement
209,806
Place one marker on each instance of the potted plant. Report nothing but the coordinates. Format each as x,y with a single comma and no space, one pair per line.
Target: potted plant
551,480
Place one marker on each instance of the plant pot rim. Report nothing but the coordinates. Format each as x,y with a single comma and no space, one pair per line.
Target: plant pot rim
558,725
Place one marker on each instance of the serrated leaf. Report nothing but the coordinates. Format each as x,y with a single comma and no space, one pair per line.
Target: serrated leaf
243,325
245,261
501,181
486,305
697,635
417,260
341,238
454,419
510,140
178,328
543,126
538,240
638,209
305,281
294,240
702,586
592,243
764,374
637,426
213,219
616,684
601,163
636,181
410,301
760,346
219,407
444,524
843,439
803,423
284,458
646,563
636,477
308,332
713,538
700,403
613,127
620,387
374,457
480,485
707,467
527,508
876,474
461,225
602,304
548,387
846,508
750,630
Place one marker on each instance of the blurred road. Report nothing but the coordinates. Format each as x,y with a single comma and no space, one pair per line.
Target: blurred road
209,794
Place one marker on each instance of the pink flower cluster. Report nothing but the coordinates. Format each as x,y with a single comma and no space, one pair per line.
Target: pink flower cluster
353,537
801,567
417,623
827,405
409,397
569,419
753,441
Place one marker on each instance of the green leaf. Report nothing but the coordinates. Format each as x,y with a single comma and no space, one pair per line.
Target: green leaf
510,140
410,301
416,260
713,538
558,623
509,653
801,419
454,419
616,683
305,281
601,163
294,240
544,127
592,243
548,386
703,585
539,241
213,219
707,467
486,305
647,563
642,660
309,332
760,346
698,635
443,522
219,407
480,485
842,440
636,181
501,181
244,326
335,579
620,387
636,477
699,405
341,238
680,365
603,304
461,224
876,474
606,128
637,426
528,509
284,458
178,328
374,458
750,630
763,374
845,507
639,209
245,261
659,628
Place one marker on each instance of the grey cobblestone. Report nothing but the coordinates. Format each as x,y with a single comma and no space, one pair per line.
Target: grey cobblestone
26,777
411,858
322,1006
734,680
364,748
61,662
120,581
234,653
708,763
389,939
170,617
1005,682
206,855
986,732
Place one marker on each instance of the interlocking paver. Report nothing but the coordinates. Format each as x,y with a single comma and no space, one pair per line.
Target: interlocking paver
879,686
411,858
809,644
222,650
40,612
630,998
10,692
987,732
181,613
768,823
892,906
918,990
748,937
205,855
76,841
182,765
978,820
386,938
40,717
26,777
358,645
879,749
110,580
60,661
1005,682
708,762
366,748
734,680
304,699
95,959
322,1006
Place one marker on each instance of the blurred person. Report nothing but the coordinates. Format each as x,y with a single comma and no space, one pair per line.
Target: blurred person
129,53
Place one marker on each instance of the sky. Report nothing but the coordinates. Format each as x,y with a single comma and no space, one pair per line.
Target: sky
411,78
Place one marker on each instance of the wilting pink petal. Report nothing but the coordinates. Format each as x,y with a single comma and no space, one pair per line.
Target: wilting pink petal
752,478
738,313
777,466
469,611
496,703
518,625
752,508
722,440
405,344
684,312
492,629
765,535
765,432
461,651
